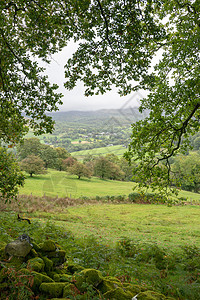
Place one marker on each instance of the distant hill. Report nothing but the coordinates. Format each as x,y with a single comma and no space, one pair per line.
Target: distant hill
118,116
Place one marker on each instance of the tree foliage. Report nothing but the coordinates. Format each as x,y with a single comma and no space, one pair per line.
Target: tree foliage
186,172
117,42
80,170
11,176
33,165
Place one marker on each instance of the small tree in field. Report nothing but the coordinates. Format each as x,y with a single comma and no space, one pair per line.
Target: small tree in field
80,170
33,165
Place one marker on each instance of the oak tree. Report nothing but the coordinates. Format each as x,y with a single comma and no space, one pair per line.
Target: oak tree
33,165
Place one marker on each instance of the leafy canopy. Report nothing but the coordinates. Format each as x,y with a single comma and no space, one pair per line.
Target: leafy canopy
117,41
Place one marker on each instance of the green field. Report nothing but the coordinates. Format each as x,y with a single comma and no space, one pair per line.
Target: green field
167,226
117,150
61,184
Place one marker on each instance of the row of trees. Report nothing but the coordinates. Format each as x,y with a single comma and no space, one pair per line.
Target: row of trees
35,158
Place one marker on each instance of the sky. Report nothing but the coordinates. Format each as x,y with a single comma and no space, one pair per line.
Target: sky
75,99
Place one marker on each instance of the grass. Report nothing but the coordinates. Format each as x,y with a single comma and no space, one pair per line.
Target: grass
154,246
61,184
167,226
117,150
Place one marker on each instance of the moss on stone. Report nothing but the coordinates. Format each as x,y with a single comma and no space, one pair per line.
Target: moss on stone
48,246
69,290
60,253
108,285
150,295
88,277
36,247
53,289
133,288
73,268
36,264
62,278
118,294
48,264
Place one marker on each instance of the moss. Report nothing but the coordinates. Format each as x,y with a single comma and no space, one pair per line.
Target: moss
36,264
50,254
60,253
25,271
133,288
69,290
72,268
150,295
48,246
108,285
118,294
53,289
62,278
36,247
88,277
48,264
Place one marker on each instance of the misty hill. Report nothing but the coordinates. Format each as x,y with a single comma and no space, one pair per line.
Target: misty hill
99,117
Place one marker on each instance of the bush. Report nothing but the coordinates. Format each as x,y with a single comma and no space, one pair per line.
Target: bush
134,197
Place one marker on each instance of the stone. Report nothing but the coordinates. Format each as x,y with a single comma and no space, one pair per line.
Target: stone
48,264
107,285
62,278
36,264
53,289
118,294
73,268
69,290
150,295
90,277
19,248
48,246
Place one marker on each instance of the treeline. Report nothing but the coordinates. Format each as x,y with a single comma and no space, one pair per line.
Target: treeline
36,157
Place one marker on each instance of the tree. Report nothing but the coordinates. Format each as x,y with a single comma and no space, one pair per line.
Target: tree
11,176
106,169
68,162
29,146
118,48
49,155
118,40
80,170
62,154
33,165
186,171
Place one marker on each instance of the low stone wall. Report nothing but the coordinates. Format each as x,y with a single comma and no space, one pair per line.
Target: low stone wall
54,278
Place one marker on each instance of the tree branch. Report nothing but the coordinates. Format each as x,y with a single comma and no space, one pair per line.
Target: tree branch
106,24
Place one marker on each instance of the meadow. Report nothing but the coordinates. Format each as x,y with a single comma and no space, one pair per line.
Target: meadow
153,246
102,151
60,184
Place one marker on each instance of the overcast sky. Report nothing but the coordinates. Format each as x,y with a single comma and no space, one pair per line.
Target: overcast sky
75,99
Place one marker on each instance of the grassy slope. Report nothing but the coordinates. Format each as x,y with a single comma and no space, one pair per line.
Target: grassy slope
168,226
117,150
60,184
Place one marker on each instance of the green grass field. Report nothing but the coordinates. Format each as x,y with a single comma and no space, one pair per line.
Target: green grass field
117,150
167,226
61,184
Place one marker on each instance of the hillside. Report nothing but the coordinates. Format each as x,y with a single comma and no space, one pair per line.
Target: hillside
85,130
